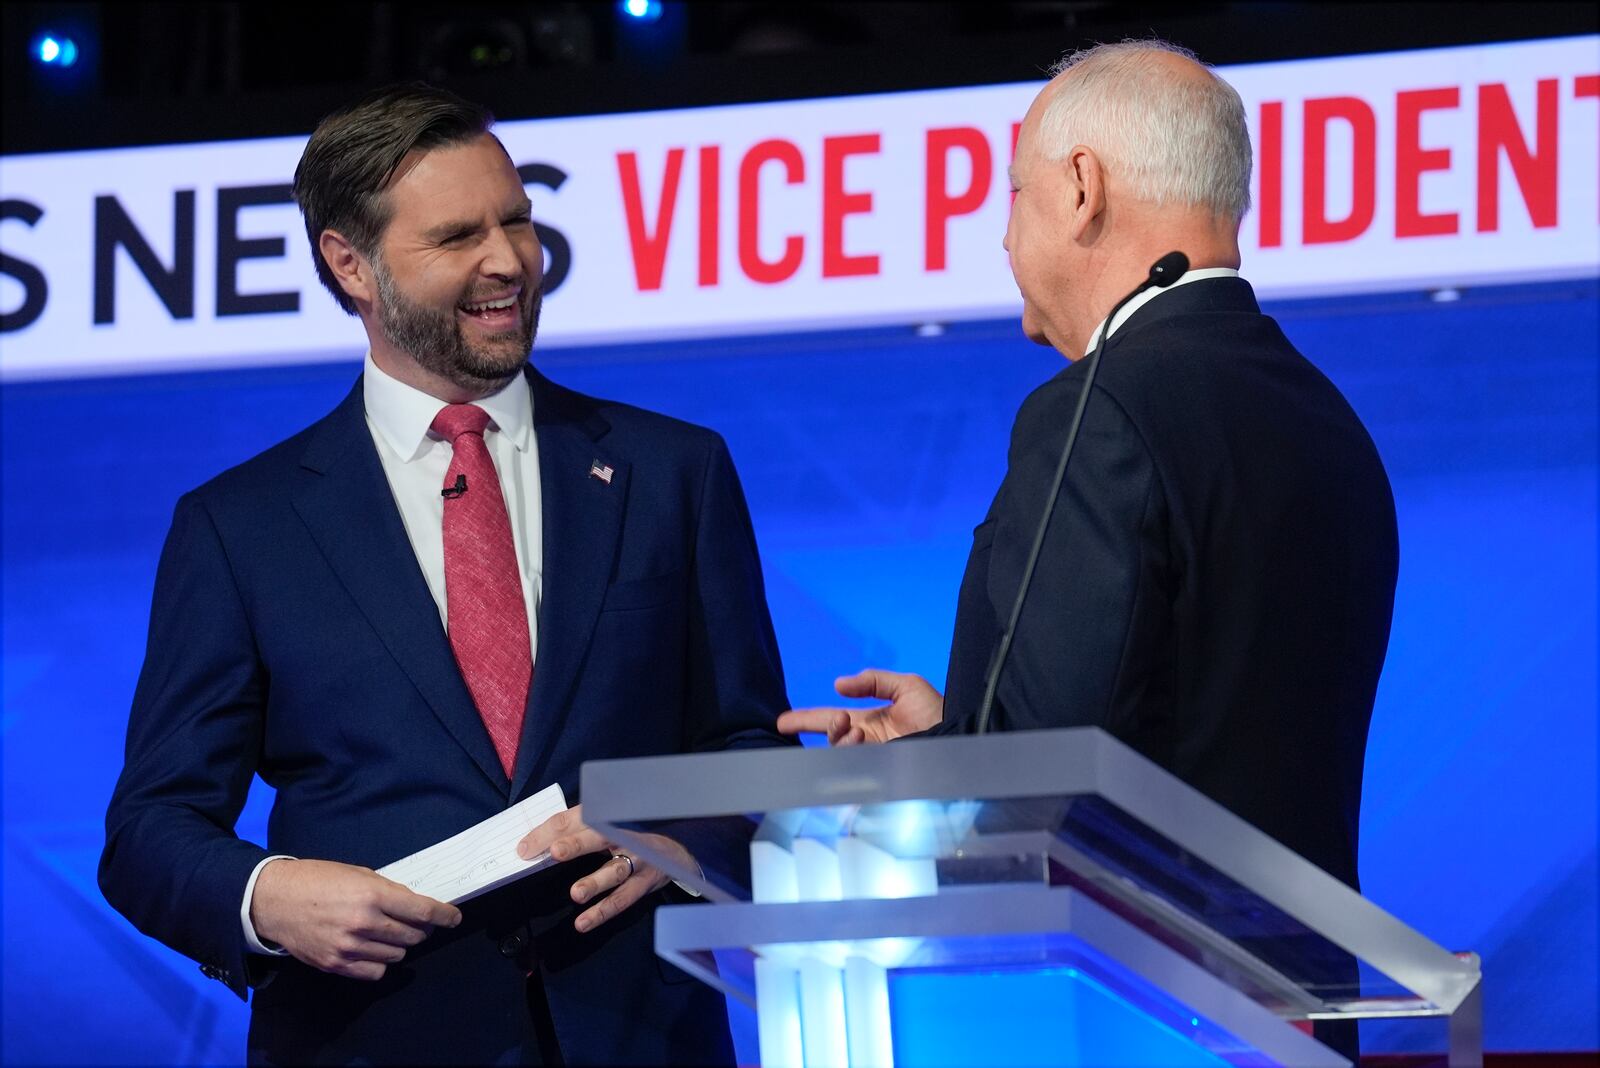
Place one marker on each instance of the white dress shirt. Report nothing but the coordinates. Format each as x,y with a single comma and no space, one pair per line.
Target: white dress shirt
414,461
1197,275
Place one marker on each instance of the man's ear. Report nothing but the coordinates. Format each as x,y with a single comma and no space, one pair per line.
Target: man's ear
1086,190
350,268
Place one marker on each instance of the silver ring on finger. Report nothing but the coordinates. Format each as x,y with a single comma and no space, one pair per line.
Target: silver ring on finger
626,860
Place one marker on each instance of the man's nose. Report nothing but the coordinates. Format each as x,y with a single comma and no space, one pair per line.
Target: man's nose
500,255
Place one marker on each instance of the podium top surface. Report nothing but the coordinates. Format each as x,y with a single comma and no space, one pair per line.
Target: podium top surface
949,815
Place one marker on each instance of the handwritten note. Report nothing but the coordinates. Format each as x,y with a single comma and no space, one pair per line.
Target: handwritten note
482,857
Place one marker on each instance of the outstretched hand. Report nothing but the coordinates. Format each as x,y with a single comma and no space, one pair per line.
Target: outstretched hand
914,706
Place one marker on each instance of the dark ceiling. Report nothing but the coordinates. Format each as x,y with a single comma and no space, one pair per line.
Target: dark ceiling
158,72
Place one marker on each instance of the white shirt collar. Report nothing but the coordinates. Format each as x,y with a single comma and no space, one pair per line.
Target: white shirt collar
1198,275
403,414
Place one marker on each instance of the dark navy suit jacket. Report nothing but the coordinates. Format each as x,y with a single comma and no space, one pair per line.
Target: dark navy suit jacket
293,636
1216,585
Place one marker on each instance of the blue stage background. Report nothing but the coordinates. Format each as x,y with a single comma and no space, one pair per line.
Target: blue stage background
867,457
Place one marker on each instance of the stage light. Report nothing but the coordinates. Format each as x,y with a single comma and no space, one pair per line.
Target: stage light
641,10
54,50
649,34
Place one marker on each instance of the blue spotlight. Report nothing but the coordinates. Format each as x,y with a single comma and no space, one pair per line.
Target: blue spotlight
641,10
54,50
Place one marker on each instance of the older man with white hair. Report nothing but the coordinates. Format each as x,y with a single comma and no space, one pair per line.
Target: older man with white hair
1215,582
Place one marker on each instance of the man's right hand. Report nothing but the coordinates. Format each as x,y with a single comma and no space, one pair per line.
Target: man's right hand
340,918
914,706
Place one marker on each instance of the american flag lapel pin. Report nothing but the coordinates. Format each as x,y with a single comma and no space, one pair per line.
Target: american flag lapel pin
600,470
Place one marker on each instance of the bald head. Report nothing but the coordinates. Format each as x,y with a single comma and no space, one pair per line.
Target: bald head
1168,130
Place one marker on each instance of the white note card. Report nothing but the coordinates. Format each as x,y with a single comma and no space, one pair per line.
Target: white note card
482,857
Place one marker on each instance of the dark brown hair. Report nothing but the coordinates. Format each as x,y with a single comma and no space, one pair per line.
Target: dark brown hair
339,183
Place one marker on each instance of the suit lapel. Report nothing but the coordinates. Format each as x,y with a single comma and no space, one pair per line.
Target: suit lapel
346,504
582,520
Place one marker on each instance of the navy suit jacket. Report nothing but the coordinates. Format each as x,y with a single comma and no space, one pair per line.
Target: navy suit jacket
1216,584
292,635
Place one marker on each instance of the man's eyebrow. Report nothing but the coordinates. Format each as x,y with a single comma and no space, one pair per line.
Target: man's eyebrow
467,226
449,229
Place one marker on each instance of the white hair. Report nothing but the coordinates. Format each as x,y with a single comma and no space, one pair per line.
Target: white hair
1173,140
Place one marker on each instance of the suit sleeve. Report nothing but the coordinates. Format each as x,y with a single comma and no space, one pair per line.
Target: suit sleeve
1097,603
735,676
172,864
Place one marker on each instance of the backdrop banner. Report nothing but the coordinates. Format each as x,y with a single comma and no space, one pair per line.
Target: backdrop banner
1414,170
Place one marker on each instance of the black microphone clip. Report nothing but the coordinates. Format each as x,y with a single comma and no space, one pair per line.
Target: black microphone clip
450,493
1167,270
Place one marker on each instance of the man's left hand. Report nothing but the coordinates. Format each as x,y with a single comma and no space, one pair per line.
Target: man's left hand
623,881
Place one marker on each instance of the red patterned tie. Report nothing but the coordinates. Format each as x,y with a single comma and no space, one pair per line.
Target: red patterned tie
488,619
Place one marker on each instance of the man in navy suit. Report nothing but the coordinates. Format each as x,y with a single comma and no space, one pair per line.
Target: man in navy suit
442,597
1216,583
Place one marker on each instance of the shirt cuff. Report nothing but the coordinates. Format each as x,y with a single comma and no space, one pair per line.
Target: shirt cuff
255,944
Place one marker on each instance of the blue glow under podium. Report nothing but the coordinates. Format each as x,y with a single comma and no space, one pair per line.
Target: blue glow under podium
1046,897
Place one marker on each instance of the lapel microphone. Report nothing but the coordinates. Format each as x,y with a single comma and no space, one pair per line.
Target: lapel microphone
450,493
1165,271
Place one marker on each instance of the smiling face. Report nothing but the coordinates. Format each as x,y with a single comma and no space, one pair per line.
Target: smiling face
458,268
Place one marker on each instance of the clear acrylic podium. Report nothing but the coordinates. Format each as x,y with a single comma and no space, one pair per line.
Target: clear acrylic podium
1115,914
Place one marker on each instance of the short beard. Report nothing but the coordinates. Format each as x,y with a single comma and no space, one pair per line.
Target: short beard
435,341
